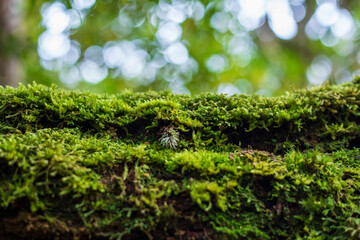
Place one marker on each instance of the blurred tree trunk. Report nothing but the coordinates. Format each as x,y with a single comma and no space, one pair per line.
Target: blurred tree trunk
9,71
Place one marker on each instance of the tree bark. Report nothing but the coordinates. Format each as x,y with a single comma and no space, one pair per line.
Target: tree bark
9,67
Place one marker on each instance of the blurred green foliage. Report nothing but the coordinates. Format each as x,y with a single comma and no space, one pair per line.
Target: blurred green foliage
244,60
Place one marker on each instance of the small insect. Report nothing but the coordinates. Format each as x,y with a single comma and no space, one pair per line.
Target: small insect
169,137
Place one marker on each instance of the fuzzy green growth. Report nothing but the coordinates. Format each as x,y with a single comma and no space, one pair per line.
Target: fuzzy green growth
163,166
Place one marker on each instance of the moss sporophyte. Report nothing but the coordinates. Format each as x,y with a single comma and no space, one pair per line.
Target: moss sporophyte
169,137
156,165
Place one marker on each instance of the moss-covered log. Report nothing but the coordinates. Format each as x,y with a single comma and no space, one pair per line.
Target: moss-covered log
76,165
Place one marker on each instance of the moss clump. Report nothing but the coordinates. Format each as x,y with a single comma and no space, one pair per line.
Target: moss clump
153,165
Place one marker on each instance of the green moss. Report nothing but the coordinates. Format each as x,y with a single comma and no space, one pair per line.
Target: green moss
82,165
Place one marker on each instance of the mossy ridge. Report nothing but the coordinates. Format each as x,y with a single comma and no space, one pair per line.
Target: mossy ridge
85,165
326,116
124,191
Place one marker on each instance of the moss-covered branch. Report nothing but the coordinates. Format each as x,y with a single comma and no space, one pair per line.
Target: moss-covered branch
164,166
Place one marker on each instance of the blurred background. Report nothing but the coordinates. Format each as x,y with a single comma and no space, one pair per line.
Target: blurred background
265,47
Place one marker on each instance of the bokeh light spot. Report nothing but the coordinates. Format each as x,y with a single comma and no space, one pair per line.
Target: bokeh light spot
299,12
168,32
327,13
177,53
92,72
94,54
176,15
52,46
82,4
284,27
75,18
158,61
344,27
134,64
296,2
197,11
319,70
56,18
329,40
114,56
220,21
70,76
281,20
342,75
216,63
73,55
254,9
